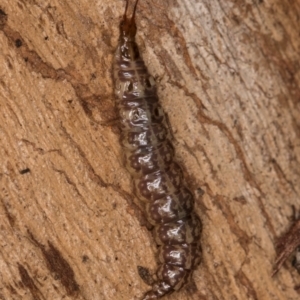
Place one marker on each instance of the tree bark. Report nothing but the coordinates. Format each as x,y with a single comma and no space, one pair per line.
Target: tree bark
228,79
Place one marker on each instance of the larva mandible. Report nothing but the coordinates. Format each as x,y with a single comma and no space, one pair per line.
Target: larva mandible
149,157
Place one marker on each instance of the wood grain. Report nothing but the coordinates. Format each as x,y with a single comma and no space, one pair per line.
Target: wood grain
228,77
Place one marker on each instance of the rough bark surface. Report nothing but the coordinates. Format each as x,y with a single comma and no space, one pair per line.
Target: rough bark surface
229,78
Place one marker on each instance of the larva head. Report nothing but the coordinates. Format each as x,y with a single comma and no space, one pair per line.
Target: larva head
127,25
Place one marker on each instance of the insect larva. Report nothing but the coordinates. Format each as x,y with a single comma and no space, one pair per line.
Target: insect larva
149,157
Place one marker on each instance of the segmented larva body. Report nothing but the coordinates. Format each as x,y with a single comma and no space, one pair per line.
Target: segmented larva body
149,157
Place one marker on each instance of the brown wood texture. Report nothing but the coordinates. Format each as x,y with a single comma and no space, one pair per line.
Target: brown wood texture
228,78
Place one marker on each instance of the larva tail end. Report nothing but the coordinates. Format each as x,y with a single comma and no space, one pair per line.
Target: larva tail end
159,290
149,296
